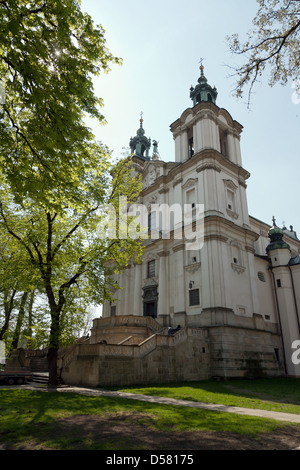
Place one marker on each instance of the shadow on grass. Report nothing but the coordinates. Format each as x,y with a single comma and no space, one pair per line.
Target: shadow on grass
41,417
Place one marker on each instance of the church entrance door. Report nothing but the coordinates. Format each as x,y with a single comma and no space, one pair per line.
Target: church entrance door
150,309
150,297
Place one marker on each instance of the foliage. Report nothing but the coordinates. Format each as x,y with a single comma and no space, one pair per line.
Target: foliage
66,255
49,53
56,181
274,42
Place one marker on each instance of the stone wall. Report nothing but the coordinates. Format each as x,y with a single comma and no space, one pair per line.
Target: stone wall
248,348
160,359
245,353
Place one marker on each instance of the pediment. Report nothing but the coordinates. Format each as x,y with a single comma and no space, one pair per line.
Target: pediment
190,183
230,184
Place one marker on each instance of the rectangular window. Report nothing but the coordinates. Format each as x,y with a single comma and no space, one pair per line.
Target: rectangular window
113,310
190,135
151,269
194,297
223,143
230,200
278,283
152,221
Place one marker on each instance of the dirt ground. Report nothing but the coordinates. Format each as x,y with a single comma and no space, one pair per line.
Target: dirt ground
122,434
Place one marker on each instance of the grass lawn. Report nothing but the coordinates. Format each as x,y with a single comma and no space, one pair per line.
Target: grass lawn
281,395
54,420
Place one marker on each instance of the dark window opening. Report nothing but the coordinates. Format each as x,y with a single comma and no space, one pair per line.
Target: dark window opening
113,311
150,309
278,283
151,269
209,97
191,147
194,296
151,221
261,276
276,350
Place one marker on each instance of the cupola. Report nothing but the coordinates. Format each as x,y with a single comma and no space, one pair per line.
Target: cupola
140,144
276,236
203,91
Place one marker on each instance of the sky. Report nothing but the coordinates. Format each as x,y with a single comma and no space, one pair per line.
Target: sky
161,43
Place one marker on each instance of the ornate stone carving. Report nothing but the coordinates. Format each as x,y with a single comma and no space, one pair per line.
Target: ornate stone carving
190,183
153,281
232,214
151,176
237,268
177,182
192,268
230,184
208,166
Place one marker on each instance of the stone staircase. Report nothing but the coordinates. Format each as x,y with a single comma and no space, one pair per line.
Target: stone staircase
42,378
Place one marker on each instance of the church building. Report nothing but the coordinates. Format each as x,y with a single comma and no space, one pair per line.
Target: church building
218,291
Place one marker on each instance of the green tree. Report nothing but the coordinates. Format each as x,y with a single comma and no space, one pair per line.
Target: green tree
274,42
65,248
16,279
49,53
54,176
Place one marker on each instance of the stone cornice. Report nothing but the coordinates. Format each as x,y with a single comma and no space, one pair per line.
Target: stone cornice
205,110
163,254
223,225
206,159
178,247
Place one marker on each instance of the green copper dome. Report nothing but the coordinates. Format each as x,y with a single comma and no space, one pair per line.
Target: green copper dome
203,91
276,237
140,145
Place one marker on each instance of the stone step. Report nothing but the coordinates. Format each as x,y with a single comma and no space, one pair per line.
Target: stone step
43,378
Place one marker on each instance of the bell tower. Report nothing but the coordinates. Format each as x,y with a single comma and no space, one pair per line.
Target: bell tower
140,144
207,147
209,137
203,91
279,254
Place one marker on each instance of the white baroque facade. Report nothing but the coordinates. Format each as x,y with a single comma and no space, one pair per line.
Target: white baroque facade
242,283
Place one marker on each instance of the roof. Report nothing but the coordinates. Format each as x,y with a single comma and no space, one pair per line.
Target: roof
295,260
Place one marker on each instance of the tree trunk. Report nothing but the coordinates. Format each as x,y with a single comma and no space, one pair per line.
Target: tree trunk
52,367
8,308
30,320
20,319
53,348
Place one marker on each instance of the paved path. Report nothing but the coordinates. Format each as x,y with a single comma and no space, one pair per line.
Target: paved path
288,417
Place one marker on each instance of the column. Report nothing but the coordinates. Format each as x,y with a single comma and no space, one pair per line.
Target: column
184,146
137,296
231,147
179,280
163,284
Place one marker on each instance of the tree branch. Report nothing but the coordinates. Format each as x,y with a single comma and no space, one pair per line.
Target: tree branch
73,230
13,234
